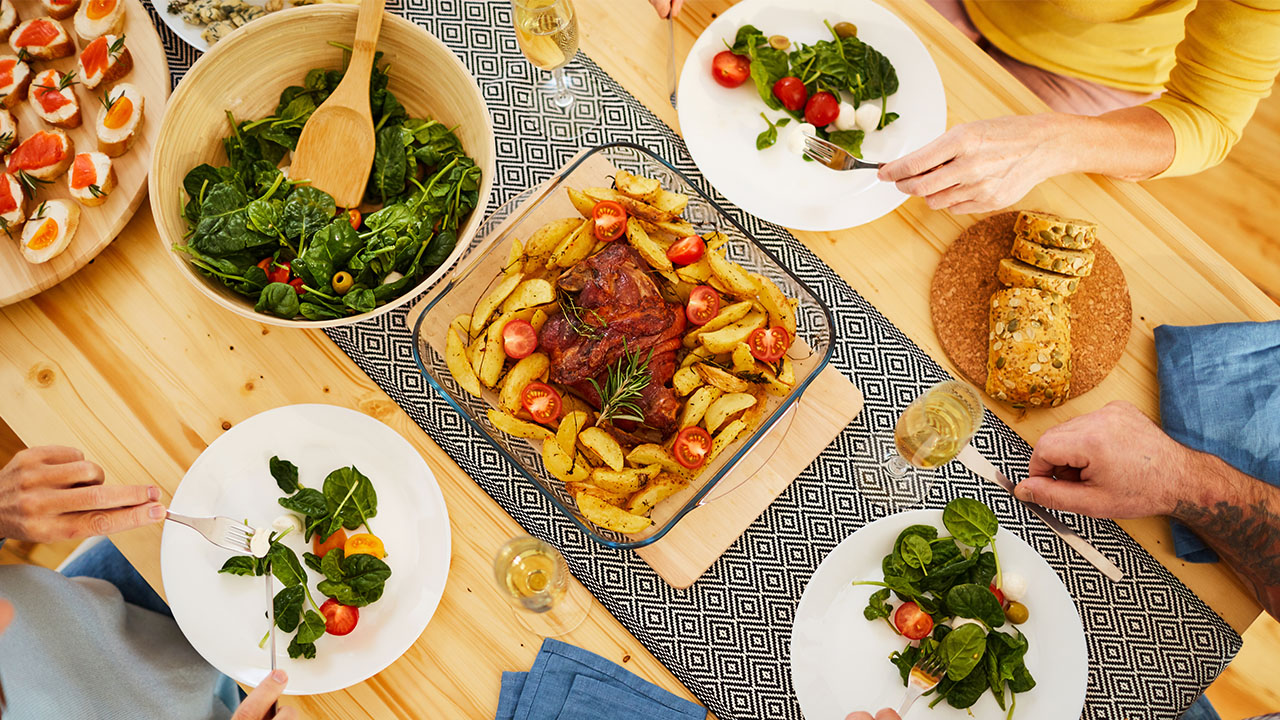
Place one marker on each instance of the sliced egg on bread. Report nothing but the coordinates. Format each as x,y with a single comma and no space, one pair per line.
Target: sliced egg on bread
12,204
15,76
96,18
120,119
53,97
8,19
44,155
42,38
49,230
104,61
91,178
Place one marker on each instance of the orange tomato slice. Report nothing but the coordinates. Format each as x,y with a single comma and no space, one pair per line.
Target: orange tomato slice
45,235
364,544
119,114
322,547
100,8
83,173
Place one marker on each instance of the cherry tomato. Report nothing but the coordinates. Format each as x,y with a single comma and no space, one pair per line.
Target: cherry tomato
339,619
703,305
998,593
542,401
353,217
769,344
275,274
822,109
297,284
791,92
730,70
687,250
610,220
519,339
364,544
912,622
321,546
692,447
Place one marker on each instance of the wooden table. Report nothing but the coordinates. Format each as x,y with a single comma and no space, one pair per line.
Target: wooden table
127,361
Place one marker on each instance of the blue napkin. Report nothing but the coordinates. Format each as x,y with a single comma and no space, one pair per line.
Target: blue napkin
569,683
1220,394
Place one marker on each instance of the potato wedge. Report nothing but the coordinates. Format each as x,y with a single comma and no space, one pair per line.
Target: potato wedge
723,438
787,371
729,337
546,238
644,189
697,273
648,249
539,319
529,293
581,202
489,303
743,360
524,372
613,498
754,414
632,206
696,406
455,358
462,324
570,403
567,434
576,246
713,375
609,517
659,489
603,445
772,384
728,315
697,354
490,357
726,407
623,481
569,468
515,258
731,274
776,304
672,202
677,227
651,454
512,425
685,380
715,240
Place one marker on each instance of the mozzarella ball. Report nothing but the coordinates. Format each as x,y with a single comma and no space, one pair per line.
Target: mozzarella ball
287,523
957,623
1014,587
795,136
259,542
845,120
867,117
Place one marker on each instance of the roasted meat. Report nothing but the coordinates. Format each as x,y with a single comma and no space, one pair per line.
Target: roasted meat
619,308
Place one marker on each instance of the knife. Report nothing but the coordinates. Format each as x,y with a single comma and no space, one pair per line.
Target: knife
271,615
982,467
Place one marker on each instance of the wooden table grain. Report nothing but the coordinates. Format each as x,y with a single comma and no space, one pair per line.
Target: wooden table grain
129,362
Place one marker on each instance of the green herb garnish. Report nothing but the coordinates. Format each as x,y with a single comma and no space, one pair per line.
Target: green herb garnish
627,379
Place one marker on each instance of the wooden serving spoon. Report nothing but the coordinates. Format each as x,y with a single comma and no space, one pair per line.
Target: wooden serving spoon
335,151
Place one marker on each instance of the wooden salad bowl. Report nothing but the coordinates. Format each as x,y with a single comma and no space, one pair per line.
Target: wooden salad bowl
245,72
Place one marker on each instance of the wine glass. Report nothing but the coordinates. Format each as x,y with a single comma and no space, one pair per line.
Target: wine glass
933,429
535,580
547,31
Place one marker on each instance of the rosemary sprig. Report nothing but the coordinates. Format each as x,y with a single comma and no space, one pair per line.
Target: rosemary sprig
6,228
6,139
108,101
573,312
95,190
64,82
628,377
116,47
29,182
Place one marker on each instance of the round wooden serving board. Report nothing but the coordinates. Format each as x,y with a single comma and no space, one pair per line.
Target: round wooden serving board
960,302
20,279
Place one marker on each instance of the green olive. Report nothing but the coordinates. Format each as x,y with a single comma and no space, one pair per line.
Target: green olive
342,282
846,30
779,42
1017,613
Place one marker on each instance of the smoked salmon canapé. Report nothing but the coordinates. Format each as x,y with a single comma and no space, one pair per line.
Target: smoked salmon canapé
91,178
104,61
42,38
49,230
121,119
96,18
8,131
44,155
13,200
15,77
60,9
8,19
53,97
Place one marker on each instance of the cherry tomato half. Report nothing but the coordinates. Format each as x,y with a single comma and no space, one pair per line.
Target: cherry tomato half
703,305
297,284
822,109
542,401
692,447
339,619
275,273
730,70
364,544
912,622
687,250
998,593
519,339
791,92
321,546
353,217
610,220
769,344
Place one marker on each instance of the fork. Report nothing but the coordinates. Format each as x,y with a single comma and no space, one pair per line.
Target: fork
671,62
834,156
925,676
224,532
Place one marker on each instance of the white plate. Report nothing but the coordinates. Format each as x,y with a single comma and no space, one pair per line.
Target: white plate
839,660
222,615
720,125
189,33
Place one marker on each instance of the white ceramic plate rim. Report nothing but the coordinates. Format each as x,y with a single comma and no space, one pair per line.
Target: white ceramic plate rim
419,556
838,658
719,125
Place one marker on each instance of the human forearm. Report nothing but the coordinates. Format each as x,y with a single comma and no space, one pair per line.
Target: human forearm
1133,143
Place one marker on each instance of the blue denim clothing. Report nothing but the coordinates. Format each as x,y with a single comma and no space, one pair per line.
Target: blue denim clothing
1201,709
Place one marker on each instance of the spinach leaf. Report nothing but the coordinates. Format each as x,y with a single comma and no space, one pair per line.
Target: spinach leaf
330,249
360,300
311,629
850,140
983,571
962,650
312,561
966,691
306,211
971,522
285,566
991,662
264,216
396,218
288,607
768,66
366,574
917,553
886,119
350,497
767,138
341,592
877,606
927,532
749,36
223,227
976,602
905,660
331,565
285,473
279,299
307,501
241,565
314,311
303,650
388,177
1022,680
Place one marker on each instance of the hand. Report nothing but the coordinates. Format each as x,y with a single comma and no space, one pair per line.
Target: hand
257,706
985,165
1113,462
667,8
884,714
6,615
52,493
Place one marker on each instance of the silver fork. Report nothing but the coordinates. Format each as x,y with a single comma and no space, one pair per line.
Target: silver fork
224,532
834,156
671,62
925,676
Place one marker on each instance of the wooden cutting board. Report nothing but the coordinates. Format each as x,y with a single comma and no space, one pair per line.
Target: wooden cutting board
99,225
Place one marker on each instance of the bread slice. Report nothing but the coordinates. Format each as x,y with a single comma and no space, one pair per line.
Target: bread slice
1068,262
1055,231
1015,273
19,79
60,9
52,86
24,157
109,49
1029,348
8,19
42,38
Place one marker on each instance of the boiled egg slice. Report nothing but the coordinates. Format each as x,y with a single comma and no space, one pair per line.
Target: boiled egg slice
91,178
50,230
12,201
120,119
96,18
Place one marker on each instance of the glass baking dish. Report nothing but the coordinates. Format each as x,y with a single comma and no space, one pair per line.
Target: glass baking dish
481,268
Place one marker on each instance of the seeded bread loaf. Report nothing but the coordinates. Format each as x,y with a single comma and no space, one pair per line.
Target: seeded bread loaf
1068,262
1015,273
1029,350
1055,231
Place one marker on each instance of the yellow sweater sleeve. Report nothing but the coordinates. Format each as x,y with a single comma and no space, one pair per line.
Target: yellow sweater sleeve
1227,62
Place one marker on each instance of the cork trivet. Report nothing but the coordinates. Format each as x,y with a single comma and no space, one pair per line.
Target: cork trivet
960,298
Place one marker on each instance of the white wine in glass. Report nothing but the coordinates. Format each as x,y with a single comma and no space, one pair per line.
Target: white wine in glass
535,579
935,427
547,31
